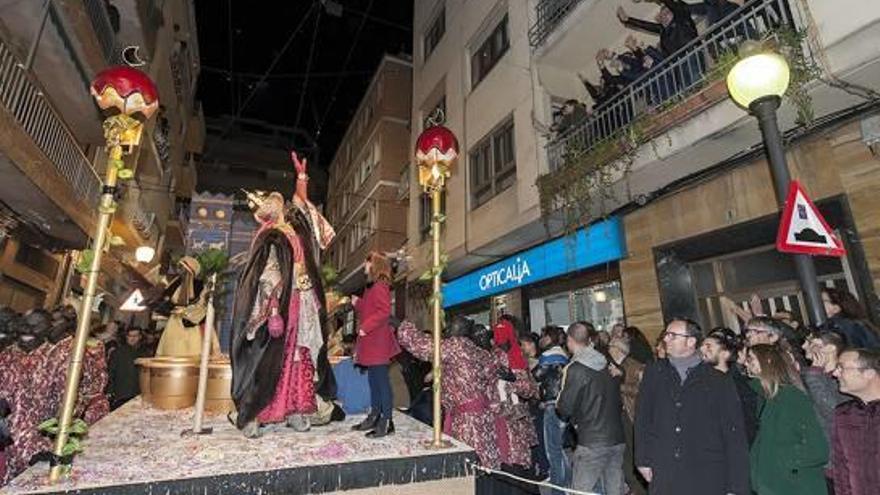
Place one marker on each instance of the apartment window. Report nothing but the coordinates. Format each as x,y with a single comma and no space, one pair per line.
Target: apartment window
493,164
425,213
435,33
343,209
437,113
403,183
362,228
490,52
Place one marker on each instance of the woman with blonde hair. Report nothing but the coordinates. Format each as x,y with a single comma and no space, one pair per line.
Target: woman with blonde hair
376,344
790,450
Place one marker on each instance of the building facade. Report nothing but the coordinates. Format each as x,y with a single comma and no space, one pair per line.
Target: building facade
52,141
365,203
682,180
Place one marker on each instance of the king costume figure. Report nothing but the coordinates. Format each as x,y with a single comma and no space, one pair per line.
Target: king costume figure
279,352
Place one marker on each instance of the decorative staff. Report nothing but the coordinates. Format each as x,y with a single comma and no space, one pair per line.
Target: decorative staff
436,150
199,415
128,98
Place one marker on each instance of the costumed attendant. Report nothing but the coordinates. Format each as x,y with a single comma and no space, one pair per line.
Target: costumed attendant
376,344
185,303
279,354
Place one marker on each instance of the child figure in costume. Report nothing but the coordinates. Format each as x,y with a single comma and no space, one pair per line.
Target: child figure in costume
279,355
186,309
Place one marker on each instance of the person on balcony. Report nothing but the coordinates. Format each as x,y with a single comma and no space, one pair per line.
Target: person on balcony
572,113
676,28
674,25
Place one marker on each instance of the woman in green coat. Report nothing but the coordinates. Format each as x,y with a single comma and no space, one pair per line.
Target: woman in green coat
790,449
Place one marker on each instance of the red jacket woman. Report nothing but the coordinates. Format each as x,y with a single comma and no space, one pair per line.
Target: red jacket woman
376,344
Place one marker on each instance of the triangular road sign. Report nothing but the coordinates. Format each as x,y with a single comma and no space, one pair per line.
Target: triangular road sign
802,229
133,303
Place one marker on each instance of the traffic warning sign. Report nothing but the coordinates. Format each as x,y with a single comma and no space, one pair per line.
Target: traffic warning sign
803,230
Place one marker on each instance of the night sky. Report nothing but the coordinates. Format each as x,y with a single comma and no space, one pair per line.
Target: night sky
239,42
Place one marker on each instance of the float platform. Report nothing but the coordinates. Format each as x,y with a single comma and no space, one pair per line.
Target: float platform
139,450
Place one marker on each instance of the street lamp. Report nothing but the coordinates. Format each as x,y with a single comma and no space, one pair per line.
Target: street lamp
757,83
436,151
144,254
127,97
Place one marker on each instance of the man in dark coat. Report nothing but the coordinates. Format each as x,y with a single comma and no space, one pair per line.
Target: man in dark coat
123,373
590,400
674,25
689,432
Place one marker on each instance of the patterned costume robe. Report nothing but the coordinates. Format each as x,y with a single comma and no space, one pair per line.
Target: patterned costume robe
36,388
468,379
275,376
518,426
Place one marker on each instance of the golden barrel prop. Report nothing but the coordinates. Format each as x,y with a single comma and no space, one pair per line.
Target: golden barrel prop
172,383
218,395
169,382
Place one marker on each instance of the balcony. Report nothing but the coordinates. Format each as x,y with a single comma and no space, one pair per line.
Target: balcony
550,13
653,102
42,146
102,20
677,119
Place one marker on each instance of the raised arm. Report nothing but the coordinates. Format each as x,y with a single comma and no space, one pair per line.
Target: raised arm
415,341
629,22
302,177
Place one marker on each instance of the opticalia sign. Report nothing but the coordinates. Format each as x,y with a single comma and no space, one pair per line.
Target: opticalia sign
517,271
600,243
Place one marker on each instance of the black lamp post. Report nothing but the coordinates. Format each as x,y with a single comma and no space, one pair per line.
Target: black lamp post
757,82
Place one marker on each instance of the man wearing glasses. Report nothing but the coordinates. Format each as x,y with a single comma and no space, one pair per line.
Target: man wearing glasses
689,432
856,429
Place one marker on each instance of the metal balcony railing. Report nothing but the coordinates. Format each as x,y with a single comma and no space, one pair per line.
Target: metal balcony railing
550,13
22,96
678,75
104,29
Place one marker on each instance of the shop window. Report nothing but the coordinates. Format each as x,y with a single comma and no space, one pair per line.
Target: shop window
765,272
484,58
434,33
493,164
600,304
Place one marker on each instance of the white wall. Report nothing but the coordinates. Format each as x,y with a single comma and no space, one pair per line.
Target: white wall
509,89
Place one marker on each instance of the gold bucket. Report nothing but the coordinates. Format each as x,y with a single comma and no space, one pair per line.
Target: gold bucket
218,394
144,377
170,383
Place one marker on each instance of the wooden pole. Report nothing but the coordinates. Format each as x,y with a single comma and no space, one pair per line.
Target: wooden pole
197,428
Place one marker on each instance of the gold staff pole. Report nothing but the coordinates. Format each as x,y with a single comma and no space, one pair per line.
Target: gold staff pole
124,92
436,150
74,370
437,369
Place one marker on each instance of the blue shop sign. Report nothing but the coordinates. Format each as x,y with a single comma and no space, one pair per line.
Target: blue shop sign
600,243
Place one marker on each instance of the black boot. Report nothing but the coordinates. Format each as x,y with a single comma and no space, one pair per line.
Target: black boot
368,423
384,427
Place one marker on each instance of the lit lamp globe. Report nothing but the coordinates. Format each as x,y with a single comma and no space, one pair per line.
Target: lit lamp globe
436,150
144,254
758,75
